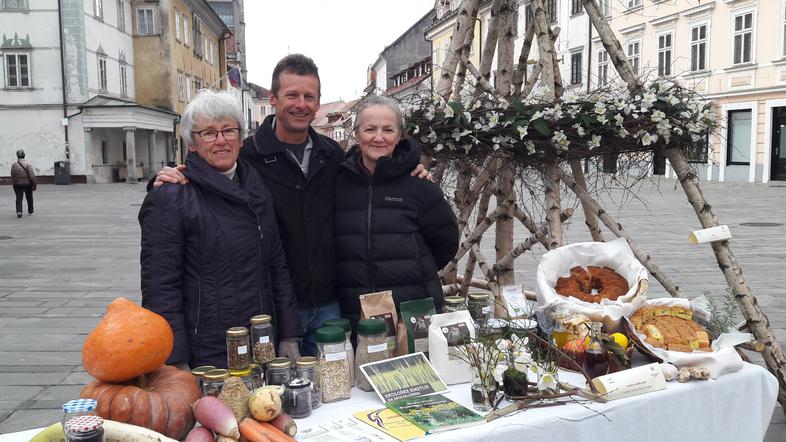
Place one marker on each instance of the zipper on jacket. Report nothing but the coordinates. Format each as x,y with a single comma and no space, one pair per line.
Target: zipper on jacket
368,240
199,308
259,262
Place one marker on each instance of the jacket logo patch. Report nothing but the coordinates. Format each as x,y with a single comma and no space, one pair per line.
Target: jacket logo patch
270,159
397,199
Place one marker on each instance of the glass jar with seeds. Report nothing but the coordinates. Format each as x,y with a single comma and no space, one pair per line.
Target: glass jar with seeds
238,355
214,382
278,372
334,365
257,376
453,304
262,339
199,372
372,347
307,367
479,306
344,324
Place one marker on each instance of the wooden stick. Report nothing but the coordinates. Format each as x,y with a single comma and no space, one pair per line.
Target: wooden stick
469,270
612,45
521,68
531,80
506,263
465,22
590,219
552,181
472,237
545,48
493,286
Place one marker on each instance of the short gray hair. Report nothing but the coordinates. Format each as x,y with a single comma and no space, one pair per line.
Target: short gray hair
212,106
379,100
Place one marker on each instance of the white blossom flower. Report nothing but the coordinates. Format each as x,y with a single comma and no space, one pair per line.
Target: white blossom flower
448,112
594,142
456,134
600,107
648,139
648,100
493,118
522,360
547,381
579,129
530,147
657,116
498,370
602,119
416,131
522,131
560,139
503,104
477,125
439,147
432,136
468,116
536,115
623,132
672,100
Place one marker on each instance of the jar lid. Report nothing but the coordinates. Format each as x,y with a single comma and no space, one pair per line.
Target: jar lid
237,332
338,322
478,296
279,363
298,383
307,361
80,405
201,370
260,319
83,424
454,300
496,323
219,374
329,335
241,373
253,366
372,326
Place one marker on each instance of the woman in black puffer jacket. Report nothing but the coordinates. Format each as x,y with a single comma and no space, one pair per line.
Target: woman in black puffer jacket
393,231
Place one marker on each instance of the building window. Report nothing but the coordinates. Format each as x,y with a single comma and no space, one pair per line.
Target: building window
698,48
551,10
181,87
17,70
575,68
186,32
698,152
739,137
224,11
102,73
144,21
605,8
576,7
197,23
197,84
743,38
13,4
98,9
123,79
634,4
188,87
603,67
178,32
665,45
634,55
121,15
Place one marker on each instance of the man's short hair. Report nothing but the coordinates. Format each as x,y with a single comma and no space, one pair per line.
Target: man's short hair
20,153
297,64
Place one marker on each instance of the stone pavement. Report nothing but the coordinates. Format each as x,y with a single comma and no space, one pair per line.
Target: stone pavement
61,267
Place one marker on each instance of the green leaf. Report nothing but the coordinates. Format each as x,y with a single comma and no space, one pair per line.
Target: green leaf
540,126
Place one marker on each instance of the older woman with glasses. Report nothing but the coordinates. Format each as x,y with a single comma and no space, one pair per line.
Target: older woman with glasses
211,255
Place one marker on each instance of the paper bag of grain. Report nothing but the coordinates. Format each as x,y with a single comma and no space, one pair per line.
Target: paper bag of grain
447,333
380,305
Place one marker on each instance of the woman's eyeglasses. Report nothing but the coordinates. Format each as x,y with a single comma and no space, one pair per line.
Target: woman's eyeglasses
210,135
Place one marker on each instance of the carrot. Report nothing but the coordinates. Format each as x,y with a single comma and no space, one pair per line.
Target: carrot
250,432
265,429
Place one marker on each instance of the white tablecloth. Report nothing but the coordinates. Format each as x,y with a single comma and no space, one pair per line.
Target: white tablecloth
735,407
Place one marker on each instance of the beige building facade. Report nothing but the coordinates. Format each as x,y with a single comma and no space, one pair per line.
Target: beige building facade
731,51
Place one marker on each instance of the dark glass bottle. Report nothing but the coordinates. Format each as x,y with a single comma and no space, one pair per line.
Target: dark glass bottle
596,356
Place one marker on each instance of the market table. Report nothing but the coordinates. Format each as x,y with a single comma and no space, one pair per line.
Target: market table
735,407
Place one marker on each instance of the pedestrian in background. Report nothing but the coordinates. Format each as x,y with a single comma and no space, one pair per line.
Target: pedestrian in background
23,179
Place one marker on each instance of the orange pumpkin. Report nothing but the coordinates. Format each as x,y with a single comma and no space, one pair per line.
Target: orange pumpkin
160,401
128,342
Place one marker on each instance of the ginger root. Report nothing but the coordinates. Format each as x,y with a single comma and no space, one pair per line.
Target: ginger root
687,373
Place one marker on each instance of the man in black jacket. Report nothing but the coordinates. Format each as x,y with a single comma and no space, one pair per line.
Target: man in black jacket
300,167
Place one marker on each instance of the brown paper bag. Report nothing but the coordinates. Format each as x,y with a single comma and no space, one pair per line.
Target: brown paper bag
381,305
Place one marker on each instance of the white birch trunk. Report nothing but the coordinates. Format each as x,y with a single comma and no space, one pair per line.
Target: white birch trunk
465,22
612,45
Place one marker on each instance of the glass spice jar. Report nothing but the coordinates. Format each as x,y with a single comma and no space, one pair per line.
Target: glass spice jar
257,376
245,376
453,304
278,372
372,347
479,306
297,398
214,382
78,407
238,356
307,367
344,324
333,364
199,372
85,429
262,339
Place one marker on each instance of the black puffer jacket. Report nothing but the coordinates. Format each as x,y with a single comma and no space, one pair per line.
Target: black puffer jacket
211,259
393,231
304,207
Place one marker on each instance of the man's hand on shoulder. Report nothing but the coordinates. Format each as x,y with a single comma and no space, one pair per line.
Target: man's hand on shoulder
421,172
171,175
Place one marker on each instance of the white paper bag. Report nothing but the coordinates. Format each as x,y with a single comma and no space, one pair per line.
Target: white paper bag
446,327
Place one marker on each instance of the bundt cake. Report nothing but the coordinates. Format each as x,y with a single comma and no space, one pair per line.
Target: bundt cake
592,284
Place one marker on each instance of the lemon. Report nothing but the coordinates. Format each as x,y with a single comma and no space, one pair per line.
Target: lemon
620,339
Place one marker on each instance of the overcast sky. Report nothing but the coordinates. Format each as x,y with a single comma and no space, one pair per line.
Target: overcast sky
343,37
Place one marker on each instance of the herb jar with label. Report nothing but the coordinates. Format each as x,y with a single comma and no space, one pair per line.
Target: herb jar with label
453,304
262,339
307,367
334,365
85,429
238,355
199,372
344,324
372,347
279,371
214,382
78,407
257,376
297,398
479,306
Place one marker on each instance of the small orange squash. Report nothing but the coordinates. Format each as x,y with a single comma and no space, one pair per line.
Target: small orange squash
160,401
128,342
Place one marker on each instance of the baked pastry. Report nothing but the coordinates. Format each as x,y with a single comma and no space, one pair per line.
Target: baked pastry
671,328
592,284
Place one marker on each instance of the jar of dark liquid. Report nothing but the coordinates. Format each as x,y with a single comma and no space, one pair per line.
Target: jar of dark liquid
596,356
